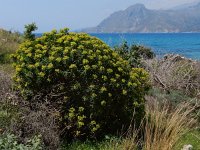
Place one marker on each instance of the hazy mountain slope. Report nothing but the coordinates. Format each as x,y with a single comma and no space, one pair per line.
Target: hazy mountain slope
138,18
186,5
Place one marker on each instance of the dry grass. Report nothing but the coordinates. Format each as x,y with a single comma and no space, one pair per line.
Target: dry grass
162,126
9,42
7,69
8,99
6,92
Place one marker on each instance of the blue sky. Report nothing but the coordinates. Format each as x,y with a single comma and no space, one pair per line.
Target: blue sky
74,14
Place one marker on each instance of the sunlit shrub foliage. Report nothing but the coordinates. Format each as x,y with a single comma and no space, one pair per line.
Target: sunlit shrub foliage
95,90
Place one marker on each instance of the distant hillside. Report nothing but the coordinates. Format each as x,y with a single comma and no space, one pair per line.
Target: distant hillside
186,5
9,42
138,18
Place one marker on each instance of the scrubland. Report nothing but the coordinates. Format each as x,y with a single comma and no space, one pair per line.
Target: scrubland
158,102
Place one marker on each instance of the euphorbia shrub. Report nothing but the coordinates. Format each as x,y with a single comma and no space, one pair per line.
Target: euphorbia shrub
96,91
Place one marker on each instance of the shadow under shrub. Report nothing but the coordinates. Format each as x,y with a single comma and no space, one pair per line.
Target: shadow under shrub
94,90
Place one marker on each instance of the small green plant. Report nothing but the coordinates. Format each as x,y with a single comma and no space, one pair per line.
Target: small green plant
95,90
134,53
9,142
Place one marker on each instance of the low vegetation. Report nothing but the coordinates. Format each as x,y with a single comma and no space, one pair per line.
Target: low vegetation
134,54
9,142
174,72
163,126
163,129
73,92
9,43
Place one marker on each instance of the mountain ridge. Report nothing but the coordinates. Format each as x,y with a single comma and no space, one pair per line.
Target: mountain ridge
139,19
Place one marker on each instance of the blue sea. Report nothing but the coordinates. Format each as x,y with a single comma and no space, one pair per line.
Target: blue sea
186,44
